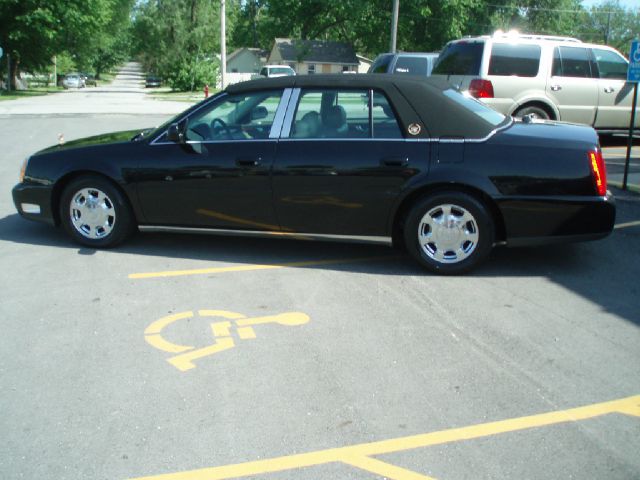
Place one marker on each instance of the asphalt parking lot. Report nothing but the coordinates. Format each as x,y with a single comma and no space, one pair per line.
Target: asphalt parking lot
194,357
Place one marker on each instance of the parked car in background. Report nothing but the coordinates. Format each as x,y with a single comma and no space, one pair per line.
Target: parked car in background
152,81
404,63
73,80
271,71
374,158
556,78
89,80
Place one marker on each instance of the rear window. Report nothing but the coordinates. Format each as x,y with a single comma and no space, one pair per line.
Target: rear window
514,60
460,58
478,108
412,65
380,64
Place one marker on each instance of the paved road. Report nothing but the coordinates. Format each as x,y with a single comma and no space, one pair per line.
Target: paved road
193,355
126,94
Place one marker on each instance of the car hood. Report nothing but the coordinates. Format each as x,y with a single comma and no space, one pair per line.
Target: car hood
104,139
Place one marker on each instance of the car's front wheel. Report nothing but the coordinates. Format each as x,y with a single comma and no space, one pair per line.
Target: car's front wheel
449,232
94,212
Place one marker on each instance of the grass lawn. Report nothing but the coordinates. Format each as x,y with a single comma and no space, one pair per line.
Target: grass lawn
32,92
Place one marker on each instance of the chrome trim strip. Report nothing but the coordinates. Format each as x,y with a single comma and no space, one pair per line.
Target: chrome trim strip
276,126
291,109
491,133
337,139
258,233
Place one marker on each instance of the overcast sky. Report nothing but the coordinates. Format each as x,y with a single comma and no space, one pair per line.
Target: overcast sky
624,3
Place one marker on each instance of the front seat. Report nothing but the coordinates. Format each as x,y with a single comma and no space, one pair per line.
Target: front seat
335,122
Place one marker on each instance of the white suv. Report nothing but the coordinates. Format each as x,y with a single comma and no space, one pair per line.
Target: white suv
556,78
276,71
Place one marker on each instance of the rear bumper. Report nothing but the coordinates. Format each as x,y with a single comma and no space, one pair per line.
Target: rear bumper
34,202
537,221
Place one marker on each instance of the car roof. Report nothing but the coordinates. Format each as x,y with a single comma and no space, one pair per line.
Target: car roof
335,80
416,100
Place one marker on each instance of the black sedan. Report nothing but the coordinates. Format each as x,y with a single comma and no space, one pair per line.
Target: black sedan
405,161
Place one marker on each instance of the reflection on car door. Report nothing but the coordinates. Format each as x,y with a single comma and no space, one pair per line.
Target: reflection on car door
338,168
221,177
571,85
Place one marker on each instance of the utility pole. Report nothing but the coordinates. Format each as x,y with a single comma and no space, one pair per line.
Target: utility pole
223,44
8,72
606,35
394,25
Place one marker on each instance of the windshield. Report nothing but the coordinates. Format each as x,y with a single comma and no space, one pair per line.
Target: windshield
165,125
281,71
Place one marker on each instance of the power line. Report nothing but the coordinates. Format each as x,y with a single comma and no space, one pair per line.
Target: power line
542,9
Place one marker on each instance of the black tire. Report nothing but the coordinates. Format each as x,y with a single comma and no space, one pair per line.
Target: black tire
533,111
95,213
455,247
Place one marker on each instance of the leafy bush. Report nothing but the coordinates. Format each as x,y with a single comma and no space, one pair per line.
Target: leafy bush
191,74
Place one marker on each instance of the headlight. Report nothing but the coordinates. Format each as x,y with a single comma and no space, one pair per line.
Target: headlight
23,168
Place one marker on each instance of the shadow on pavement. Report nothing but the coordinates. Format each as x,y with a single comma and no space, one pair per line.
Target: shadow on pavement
604,272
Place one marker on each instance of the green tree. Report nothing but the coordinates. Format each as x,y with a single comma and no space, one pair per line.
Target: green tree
33,31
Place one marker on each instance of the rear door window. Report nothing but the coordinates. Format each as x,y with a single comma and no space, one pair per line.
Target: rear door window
412,65
330,113
571,62
514,60
383,119
460,58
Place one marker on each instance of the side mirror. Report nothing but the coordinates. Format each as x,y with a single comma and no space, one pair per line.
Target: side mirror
175,134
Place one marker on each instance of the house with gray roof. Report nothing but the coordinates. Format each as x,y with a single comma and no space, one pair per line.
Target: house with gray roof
314,56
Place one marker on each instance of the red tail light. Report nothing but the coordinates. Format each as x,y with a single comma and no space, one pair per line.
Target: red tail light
481,88
598,171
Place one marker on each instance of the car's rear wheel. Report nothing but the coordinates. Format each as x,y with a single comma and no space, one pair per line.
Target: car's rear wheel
532,111
449,232
94,212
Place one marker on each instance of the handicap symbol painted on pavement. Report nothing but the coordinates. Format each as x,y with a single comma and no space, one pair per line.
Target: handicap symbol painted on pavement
221,332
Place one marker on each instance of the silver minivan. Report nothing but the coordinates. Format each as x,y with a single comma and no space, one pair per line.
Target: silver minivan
547,77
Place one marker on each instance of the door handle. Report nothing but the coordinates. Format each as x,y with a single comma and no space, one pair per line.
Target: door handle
609,89
394,161
555,88
248,162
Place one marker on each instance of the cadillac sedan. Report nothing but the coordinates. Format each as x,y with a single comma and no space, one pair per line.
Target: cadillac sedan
378,158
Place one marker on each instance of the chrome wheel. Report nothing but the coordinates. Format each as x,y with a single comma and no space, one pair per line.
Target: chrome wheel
448,233
92,213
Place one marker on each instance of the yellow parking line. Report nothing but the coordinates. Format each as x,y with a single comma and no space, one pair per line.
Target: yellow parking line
384,469
628,224
358,455
248,268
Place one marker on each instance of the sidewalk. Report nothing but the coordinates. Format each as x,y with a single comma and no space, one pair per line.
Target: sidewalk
126,94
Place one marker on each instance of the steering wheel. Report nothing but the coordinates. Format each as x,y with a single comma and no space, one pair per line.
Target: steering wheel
223,125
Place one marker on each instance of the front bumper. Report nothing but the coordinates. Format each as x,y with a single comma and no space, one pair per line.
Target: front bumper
536,221
34,202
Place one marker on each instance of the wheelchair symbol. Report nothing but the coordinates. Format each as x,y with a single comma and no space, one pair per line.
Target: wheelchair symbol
221,331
